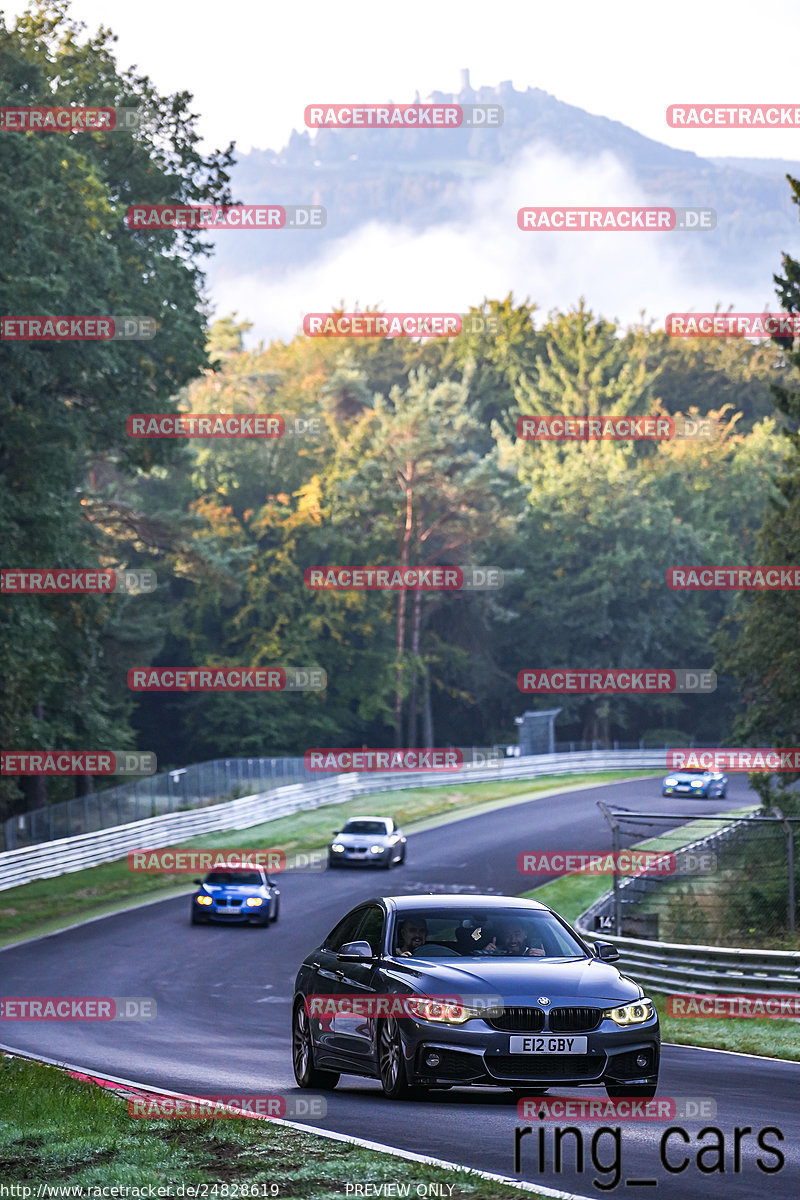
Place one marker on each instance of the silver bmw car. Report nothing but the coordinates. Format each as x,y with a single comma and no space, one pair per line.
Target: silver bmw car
367,841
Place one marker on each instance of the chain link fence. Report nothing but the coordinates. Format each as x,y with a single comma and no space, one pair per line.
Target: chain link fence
735,884
180,790
152,796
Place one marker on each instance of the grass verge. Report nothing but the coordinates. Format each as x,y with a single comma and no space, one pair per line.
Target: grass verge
770,1036
46,905
58,1130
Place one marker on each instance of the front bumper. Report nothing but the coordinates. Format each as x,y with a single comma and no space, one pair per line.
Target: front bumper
233,914
351,859
481,1056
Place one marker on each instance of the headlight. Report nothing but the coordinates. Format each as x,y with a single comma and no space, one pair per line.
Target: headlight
253,901
377,849
698,783
632,1014
437,1010
670,782
203,899
337,848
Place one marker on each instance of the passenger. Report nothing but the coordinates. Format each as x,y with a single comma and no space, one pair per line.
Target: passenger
411,934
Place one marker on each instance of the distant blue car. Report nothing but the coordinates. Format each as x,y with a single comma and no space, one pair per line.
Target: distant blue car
236,898
696,781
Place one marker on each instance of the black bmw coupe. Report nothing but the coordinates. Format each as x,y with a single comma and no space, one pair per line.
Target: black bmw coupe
449,991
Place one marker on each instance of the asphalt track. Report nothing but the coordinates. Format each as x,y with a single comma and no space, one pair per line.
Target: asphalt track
224,997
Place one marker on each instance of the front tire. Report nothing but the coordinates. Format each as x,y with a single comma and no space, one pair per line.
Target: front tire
196,918
391,1067
277,911
305,1072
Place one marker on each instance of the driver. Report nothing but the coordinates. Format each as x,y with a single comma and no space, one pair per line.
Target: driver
411,934
514,940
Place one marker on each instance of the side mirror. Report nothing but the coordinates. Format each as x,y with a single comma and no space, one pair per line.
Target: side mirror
198,881
356,952
606,951
336,831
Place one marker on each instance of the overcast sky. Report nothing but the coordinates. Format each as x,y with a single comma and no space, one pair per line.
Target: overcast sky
253,66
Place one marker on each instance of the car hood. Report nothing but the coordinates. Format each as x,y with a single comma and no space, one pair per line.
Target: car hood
683,777
358,840
233,889
563,981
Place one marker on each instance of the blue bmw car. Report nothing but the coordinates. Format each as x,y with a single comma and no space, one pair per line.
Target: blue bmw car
236,898
695,782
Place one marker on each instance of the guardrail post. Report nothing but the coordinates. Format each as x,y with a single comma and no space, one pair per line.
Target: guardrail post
615,848
790,868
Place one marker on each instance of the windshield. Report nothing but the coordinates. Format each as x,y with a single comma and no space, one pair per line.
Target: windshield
250,878
365,827
470,933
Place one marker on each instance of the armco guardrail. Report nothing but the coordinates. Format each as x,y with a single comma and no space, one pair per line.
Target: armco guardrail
670,966
59,857
194,786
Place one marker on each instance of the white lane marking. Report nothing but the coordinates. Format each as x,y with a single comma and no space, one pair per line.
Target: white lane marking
395,1151
735,1053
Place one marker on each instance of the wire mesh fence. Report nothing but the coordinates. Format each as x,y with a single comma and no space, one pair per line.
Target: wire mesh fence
169,791
179,790
724,881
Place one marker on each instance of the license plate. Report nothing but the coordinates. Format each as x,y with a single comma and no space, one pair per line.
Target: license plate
547,1044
